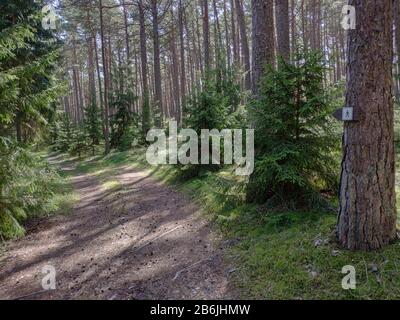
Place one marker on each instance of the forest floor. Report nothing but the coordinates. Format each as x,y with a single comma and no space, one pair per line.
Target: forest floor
136,232
128,237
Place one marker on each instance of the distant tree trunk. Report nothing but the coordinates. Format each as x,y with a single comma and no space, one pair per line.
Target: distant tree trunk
206,36
282,28
293,29
245,43
396,18
263,39
91,72
367,213
182,55
303,25
91,68
233,31
157,67
227,38
199,53
143,57
106,82
128,82
175,73
99,83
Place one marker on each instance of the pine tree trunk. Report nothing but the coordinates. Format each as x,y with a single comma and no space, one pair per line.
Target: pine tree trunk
182,55
143,57
367,214
227,39
263,39
206,36
106,83
157,67
245,44
282,28
234,37
175,73
396,18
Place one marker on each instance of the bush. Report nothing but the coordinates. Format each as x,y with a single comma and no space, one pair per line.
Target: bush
296,138
93,125
61,133
80,142
25,187
215,105
124,123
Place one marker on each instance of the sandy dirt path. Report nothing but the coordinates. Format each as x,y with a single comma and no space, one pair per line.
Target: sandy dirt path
142,240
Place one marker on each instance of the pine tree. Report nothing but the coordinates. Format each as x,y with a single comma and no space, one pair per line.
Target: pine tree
93,125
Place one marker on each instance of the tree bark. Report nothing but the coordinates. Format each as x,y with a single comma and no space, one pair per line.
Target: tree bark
245,43
156,56
206,36
263,39
234,37
282,28
106,82
143,57
367,213
182,54
396,18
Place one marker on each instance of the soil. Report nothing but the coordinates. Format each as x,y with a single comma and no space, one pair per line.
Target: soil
140,240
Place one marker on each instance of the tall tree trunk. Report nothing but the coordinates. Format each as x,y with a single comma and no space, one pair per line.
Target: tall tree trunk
182,54
156,57
99,83
143,57
227,39
175,72
106,82
245,43
396,18
233,31
367,213
206,36
282,28
263,39
293,28
91,72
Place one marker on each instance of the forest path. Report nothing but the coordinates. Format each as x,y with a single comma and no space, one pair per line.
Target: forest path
138,240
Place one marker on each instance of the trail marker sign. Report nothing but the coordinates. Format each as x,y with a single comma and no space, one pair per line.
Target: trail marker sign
345,114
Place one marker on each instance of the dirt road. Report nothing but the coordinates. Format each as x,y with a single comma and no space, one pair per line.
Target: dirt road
142,240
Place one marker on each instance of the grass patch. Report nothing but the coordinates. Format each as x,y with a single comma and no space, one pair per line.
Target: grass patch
111,185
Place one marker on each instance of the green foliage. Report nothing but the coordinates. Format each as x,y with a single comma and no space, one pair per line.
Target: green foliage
146,115
79,141
25,187
28,68
213,106
295,135
124,123
93,124
28,89
61,132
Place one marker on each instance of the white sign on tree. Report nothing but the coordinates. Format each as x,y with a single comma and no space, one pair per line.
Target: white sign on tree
347,114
